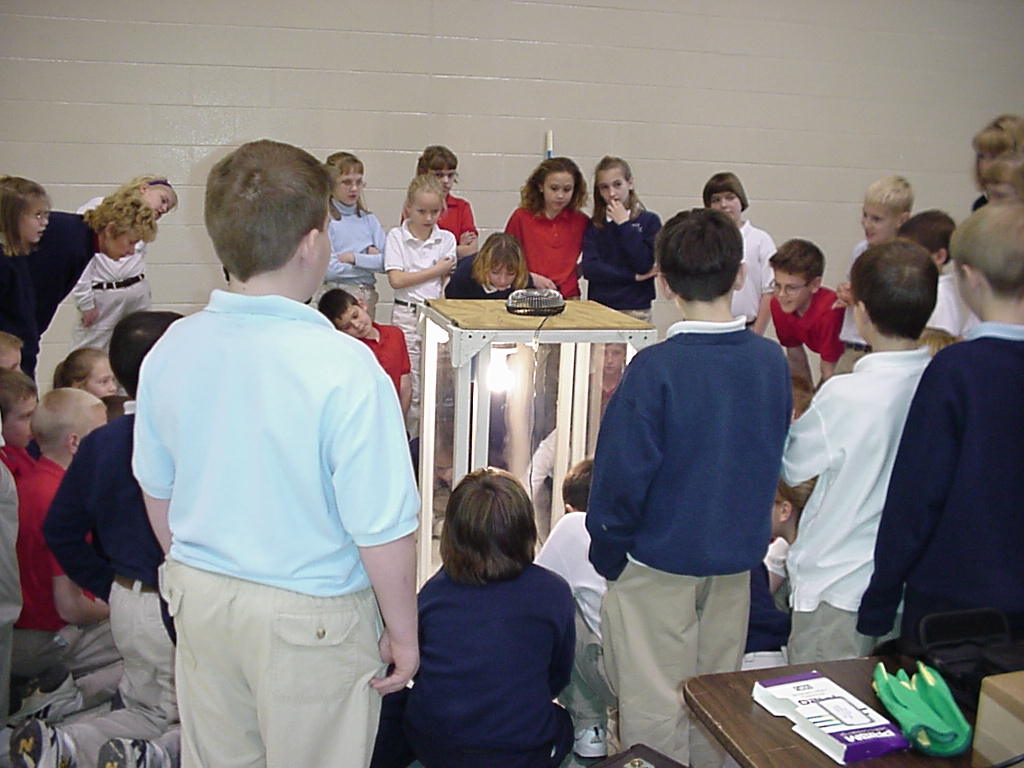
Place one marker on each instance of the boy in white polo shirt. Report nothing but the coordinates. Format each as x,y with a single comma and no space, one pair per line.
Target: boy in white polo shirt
848,439
264,482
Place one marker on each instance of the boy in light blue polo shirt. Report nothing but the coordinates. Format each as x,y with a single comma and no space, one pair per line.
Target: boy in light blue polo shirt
261,441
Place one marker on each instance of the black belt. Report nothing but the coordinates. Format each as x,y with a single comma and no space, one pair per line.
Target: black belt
856,346
129,583
118,283
401,303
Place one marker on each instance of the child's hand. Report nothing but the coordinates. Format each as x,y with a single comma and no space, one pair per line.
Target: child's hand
467,238
647,275
405,661
844,297
90,316
618,212
539,281
445,266
373,250
346,258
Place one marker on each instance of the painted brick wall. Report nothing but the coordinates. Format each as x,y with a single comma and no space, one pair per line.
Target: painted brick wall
806,100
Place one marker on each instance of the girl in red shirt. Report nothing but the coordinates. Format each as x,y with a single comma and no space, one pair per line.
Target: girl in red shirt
549,225
457,218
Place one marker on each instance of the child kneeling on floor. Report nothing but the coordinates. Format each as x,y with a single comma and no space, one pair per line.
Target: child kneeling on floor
496,640
588,697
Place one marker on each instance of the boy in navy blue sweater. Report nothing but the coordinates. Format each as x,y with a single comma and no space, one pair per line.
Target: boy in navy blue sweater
685,473
951,531
99,496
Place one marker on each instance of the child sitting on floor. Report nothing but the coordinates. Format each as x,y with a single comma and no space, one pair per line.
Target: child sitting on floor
99,500
18,400
60,627
588,696
769,627
86,368
496,639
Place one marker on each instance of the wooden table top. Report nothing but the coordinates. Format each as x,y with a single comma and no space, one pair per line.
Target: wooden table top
490,314
757,739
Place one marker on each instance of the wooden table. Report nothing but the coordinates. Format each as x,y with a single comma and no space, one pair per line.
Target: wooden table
757,739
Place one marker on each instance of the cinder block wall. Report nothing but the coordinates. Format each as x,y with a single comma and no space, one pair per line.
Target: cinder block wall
807,100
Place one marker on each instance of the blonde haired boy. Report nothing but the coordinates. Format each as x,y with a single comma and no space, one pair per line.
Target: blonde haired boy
58,625
264,485
887,205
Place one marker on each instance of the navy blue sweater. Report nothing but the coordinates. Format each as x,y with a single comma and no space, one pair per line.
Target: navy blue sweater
768,628
33,286
614,254
100,494
463,286
952,529
689,455
492,657
18,308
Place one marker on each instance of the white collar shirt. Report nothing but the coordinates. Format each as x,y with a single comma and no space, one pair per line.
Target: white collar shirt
406,252
848,439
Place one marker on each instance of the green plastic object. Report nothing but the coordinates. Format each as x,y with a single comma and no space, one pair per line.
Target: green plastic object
924,709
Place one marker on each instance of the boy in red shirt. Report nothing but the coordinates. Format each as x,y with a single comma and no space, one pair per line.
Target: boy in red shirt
387,342
802,309
59,625
18,398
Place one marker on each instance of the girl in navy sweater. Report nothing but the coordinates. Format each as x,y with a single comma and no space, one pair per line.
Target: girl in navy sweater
493,273
618,246
497,638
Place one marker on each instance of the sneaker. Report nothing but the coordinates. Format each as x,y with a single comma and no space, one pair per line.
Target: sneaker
132,753
34,744
51,698
591,742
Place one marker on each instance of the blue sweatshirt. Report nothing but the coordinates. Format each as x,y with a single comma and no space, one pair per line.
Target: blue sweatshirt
492,658
99,494
614,254
952,529
689,454
33,286
355,233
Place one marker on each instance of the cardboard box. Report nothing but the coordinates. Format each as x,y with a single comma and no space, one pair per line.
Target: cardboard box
999,730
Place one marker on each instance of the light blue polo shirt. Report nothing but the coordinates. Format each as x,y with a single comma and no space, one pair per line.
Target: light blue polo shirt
279,442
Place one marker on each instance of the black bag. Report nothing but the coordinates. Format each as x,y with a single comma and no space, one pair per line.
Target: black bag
964,646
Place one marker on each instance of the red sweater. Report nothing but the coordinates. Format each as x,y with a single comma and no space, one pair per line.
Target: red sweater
391,352
457,217
818,327
36,564
551,246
